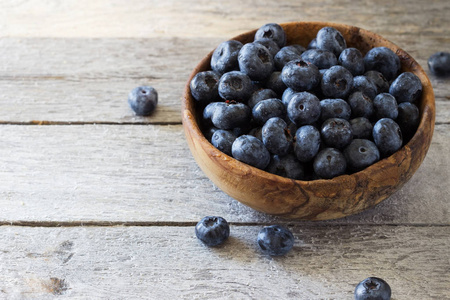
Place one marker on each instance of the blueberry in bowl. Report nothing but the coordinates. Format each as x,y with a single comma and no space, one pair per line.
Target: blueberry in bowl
359,158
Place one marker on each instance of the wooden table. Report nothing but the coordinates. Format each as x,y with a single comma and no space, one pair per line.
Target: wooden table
96,203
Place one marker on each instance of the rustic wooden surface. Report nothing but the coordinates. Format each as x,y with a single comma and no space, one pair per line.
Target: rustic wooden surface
96,203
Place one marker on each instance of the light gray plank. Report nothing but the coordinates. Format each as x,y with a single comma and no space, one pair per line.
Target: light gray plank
170,263
135,173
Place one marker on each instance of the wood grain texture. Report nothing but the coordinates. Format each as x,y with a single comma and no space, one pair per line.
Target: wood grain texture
146,174
170,263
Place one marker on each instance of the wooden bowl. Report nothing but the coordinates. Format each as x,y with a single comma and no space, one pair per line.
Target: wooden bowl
318,199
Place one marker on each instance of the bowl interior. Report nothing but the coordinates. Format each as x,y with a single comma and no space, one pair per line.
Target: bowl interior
318,199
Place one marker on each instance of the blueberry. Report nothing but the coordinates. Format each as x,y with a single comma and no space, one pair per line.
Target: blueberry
286,166
304,108
270,44
266,109
287,95
275,240
255,61
251,150
205,87
360,104
361,128
372,288
276,136
329,163
307,143
336,82
379,81
228,115
212,230
352,60
272,31
275,83
362,84
224,57
209,131
312,44
259,95
383,60
407,87
323,59
387,136
329,38
360,154
385,106
143,100
222,140
256,132
286,54
439,64
336,132
300,75
408,119
334,108
235,85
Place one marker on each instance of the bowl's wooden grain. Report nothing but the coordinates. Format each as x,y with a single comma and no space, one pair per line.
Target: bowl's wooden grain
318,199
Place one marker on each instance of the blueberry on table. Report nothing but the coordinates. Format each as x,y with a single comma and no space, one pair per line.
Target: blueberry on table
300,75
251,150
387,136
360,154
212,230
304,108
336,132
334,108
224,57
286,166
255,61
352,60
235,85
307,143
322,59
143,100
276,136
385,106
222,140
329,38
361,105
204,87
407,87
329,163
383,60
275,240
439,64
272,31
266,109
372,288
286,54
336,82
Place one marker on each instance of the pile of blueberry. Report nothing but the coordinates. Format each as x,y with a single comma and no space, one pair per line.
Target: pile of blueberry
306,113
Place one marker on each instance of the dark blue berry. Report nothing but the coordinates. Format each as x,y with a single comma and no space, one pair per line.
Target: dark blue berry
387,136
304,108
227,115
266,109
143,100
209,131
312,44
383,60
336,82
222,140
329,163
352,60
286,54
385,106
286,166
256,132
275,240
270,44
360,154
224,57
272,31
379,81
329,38
260,95
372,288
360,104
323,59
287,95
334,108
336,132
407,87
307,143
362,84
255,61
235,85
251,150
275,83
276,136
205,87
212,230
300,75
439,64
408,119
361,128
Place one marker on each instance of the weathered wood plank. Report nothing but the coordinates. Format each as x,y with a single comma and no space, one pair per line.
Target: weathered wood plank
209,18
170,263
139,173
